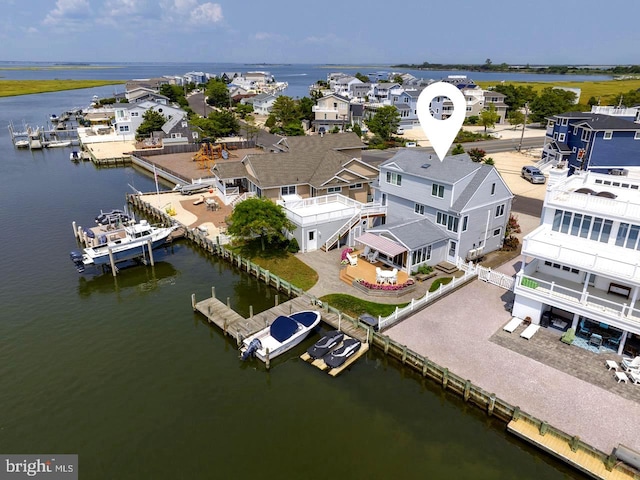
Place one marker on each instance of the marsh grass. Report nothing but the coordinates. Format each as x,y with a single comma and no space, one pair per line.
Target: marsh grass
10,88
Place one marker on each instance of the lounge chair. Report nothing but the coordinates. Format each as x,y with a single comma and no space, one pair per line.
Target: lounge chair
530,331
352,260
373,257
365,253
569,336
512,325
631,364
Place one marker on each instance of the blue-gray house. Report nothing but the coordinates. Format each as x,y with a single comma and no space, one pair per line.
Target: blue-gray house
593,141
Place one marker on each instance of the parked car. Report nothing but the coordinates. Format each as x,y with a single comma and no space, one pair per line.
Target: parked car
400,131
533,174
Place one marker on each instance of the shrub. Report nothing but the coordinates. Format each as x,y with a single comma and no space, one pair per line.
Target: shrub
343,256
293,246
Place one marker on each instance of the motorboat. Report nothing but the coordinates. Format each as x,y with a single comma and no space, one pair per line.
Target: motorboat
112,217
21,143
58,143
75,156
121,244
283,334
192,188
337,357
328,342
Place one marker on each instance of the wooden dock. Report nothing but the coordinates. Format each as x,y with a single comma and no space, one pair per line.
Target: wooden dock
319,363
560,448
235,325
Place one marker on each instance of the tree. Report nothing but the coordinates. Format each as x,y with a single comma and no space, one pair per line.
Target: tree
476,154
398,79
293,129
385,122
629,99
285,110
243,110
516,96
363,78
217,93
223,123
357,130
305,108
551,101
489,117
515,117
270,122
458,149
259,218
152,121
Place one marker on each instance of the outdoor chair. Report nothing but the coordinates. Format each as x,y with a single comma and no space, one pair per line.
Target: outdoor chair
394,278
595,340
378,276
353,261
373,257
631,364
582,331
366,252
569,336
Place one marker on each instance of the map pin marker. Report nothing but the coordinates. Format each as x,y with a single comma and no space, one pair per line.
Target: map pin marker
441,133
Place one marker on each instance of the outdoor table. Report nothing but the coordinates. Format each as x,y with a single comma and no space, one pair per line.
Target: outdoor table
388,276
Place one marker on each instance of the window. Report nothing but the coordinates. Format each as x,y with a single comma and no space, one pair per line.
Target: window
562,267
555,136
288,190
573,150
185,124
628,236
496,232
500,210
421,255
561,137
418,208
575,130
334,189
437,190
637,135
608,134
584,226
123,128
394,178
493,189
450,222
565,121
135,114
176,135
586,135
355,186
465,223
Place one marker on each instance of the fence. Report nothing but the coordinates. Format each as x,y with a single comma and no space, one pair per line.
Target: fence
495,278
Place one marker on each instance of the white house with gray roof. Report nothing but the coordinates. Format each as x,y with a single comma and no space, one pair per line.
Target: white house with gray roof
438,211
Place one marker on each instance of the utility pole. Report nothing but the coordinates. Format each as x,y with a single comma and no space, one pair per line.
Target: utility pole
524,124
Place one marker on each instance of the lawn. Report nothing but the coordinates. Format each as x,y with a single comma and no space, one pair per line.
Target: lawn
605,89
10,88
279,262
355,307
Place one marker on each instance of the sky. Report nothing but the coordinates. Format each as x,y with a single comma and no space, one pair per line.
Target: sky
327,31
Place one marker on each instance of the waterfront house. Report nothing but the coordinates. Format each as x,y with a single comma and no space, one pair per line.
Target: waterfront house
262,103
438,211
581,266
594,141
331,110
127,117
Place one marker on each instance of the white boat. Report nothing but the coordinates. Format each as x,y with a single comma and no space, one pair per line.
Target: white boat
58,143
192,188
21,143
283,334
121,244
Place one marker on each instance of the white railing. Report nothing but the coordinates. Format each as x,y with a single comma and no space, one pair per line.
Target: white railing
608,310
469,270
495,278
318,218
341,231
596,204
242,198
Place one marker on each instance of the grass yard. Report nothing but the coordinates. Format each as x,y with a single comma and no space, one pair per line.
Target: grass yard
10,88
355,307
605,89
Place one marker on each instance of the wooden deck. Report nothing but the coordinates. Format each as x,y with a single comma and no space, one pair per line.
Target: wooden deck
366,271
235,325
560,448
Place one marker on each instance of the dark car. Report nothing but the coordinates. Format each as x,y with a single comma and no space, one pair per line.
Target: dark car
533,174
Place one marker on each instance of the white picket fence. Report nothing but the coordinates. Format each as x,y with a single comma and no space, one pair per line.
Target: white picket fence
495,278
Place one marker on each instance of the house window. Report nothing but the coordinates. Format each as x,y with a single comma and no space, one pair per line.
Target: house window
575,130
637,135
565,121
555,136
176,135
465,223
496,232
421,255
355,186
500,210
573,150
608,134
418,208
437,190
123,128
135,114
288,190
628,236
584,226
394,178
334,189
586,135
450,222
184,124
493,189
561,137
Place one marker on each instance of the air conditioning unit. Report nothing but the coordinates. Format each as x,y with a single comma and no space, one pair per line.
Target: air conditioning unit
619,171
472,254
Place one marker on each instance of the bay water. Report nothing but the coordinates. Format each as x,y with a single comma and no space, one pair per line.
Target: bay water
123,373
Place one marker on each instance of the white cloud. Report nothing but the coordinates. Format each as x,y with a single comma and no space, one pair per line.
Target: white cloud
268,36
68,11
206,13
330,38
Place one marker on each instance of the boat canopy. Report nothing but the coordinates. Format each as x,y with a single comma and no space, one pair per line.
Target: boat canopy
306,318
283,327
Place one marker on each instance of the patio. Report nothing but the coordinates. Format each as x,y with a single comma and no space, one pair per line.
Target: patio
367,271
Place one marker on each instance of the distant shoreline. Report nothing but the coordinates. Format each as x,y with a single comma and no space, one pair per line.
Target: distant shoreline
14,88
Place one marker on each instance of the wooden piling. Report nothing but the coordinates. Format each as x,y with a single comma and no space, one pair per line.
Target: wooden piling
150,252
193,301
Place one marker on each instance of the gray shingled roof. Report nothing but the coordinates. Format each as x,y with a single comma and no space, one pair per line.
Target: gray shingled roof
413,233
452,169
471,188
607,122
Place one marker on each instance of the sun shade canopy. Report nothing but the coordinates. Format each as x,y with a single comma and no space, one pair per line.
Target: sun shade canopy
381,244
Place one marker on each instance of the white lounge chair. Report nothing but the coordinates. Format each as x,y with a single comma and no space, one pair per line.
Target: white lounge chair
373,257
530,331
365,253
631,364
352,260
512,325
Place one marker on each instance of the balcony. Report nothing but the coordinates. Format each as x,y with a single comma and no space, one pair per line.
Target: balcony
596,304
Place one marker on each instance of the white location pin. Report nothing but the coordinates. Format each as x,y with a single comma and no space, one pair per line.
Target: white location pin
441,133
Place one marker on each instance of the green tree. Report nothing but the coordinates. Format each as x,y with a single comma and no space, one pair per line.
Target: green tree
217,93
152,121
458,149
357,130
270,122
551,101
223,123
243,110
285,110
305,108
293,129
629,99
515,117
259,218
363,78
398,79
385,122
515,96
489,117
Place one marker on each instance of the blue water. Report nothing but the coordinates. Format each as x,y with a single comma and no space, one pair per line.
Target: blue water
122,372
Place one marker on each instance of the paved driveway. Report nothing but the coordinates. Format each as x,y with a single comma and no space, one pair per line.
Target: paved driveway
455,332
